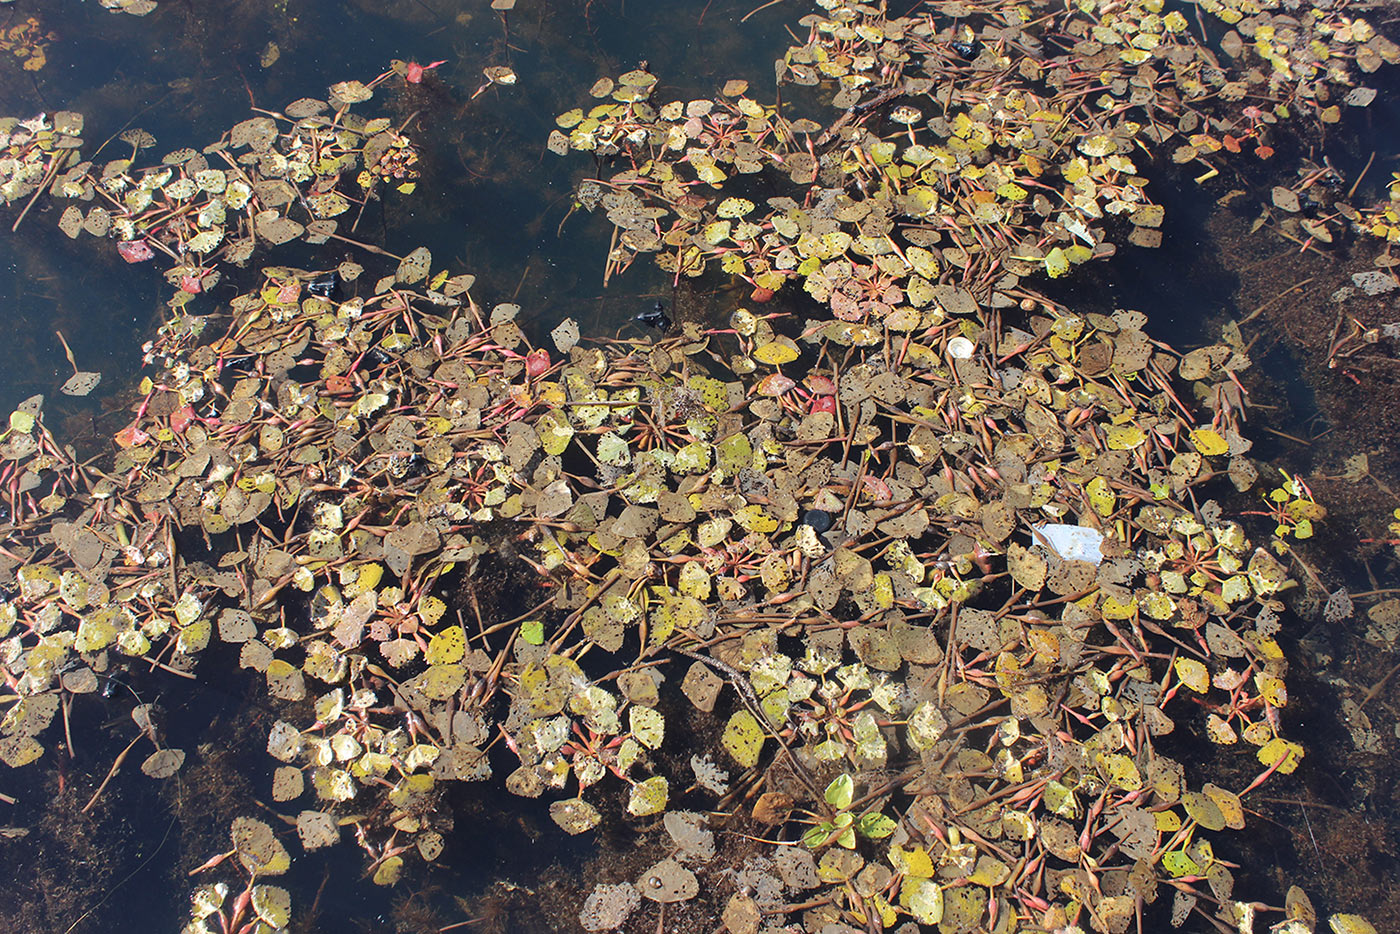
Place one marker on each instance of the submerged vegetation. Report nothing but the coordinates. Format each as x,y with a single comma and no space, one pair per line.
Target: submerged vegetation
942,569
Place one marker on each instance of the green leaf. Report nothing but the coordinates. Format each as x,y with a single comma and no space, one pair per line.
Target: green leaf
1178,864
818,836
875,826
532,631
841,792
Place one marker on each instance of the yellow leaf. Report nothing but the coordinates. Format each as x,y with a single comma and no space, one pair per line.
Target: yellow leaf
777,352
1056,263
1350,924
1272,689
694,581
1229,804
441,681
431,609
1115,609
915,862
1121,770
1220,731
743,738
717,232
754,519
1209,442
1157,605
1193,674
1100,496
734,207
1281,751
369,576
447,647
1124,437
389,871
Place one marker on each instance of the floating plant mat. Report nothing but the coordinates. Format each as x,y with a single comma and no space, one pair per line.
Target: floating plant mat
942,567
944,635
978,143
205,207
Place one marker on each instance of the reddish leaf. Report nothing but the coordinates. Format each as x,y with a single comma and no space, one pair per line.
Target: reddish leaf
131,436
877,489
181,419
774,384
414,72
135,251
537,362
760,294
823,404
191,284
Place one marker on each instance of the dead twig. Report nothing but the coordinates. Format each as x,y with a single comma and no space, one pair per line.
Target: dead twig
112,772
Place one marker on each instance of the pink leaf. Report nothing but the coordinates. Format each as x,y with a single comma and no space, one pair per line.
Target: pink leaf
413,73
537,362
181,418
131,436
775,384
135,251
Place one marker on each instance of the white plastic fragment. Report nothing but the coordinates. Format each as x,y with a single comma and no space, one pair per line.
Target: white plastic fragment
1073,542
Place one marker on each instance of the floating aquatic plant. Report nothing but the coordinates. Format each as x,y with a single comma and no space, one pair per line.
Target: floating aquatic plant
944,563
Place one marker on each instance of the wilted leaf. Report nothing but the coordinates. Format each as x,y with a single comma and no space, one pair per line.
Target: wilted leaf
574,815
163,763
258,847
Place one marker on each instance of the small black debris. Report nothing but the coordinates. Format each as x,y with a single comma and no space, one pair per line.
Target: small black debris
819,520
655,317
968,50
